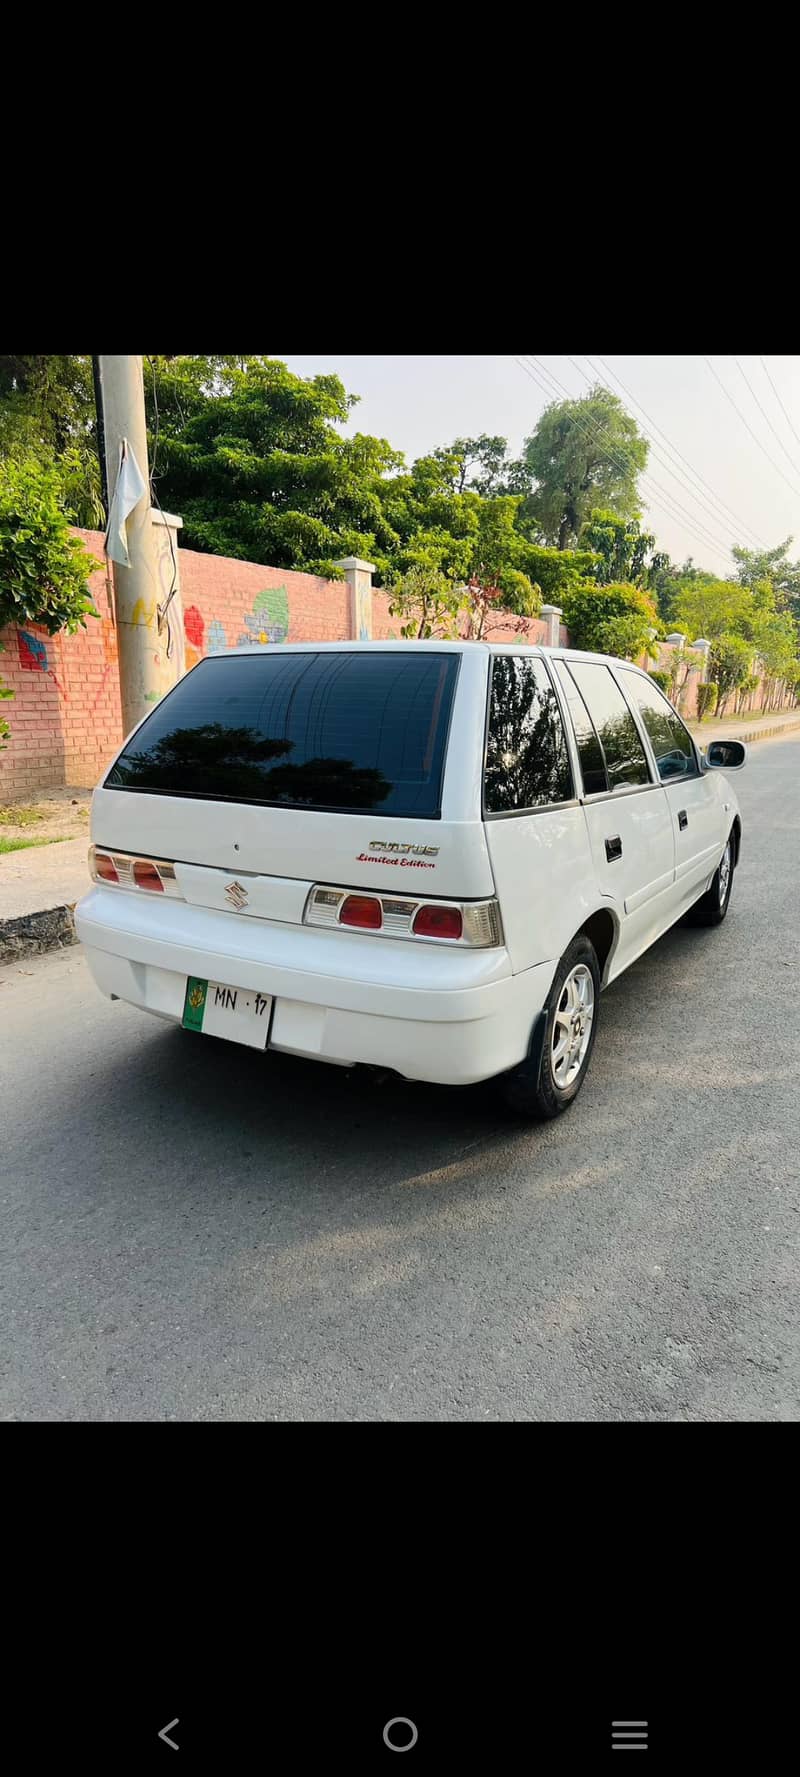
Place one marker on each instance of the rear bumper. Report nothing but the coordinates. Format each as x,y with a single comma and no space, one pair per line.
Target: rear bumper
451,1017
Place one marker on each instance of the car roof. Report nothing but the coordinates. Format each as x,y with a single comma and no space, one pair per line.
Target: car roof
391,645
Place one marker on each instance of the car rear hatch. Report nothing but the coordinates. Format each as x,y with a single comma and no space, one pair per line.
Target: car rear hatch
266,776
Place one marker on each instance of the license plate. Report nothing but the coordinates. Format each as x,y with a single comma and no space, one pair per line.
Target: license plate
238,1013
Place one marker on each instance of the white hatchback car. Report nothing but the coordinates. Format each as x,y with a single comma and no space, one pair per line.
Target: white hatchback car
428,857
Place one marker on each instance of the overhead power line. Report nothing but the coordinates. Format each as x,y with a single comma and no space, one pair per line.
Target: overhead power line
780,402
746,422
763,410
701,521
673,447
696,526
667,503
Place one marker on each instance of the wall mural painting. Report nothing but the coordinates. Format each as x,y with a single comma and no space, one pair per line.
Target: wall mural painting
32,652
34,658
144,611
269,619
217,639
195,630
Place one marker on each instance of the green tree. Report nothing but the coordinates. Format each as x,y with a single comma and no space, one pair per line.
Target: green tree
43,569
47,411
252,458
713,608
483,464
745,692
682,663
611,620
729,665
452,584
583,455
755,565
427,601
666,580
706,700
775,639
500,562
429,524
622,549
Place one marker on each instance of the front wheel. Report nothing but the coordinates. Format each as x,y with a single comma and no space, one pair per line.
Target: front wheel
712,907
545,1083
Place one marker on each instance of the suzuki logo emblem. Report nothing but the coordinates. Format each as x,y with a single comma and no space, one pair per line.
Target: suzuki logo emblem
237,895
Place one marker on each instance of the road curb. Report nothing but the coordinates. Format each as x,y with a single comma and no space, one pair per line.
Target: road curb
31,934
751,734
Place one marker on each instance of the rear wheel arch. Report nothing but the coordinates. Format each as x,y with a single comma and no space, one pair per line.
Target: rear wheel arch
601,930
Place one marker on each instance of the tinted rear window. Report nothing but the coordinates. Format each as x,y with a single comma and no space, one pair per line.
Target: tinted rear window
348,732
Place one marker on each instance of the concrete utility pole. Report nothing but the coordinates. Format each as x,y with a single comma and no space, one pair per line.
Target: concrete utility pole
141,652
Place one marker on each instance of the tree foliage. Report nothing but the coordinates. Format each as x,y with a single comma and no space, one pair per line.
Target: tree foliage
773,565
427,602
483,464
44,570
583,455
47,411
706,699
729,664
666,580
709,608
251,457
682,663
618,619
622,549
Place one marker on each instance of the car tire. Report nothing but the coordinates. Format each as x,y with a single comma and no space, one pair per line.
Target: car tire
712,907
549,1079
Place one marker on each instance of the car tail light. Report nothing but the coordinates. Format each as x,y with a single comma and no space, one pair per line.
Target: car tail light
145,875
475,923
101,866
364,911
128,871
438,922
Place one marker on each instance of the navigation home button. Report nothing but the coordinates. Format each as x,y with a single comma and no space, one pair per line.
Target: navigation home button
400,1734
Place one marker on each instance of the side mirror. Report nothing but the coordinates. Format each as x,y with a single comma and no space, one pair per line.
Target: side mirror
726,755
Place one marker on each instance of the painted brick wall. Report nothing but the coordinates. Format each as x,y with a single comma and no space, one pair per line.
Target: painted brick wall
65,717
525,629
66,722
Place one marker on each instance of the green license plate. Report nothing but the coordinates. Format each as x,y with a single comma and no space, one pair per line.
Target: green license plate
238,1013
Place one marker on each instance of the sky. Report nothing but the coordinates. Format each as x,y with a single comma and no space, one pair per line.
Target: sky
714,477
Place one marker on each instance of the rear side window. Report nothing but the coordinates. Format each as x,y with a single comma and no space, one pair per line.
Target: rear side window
624,754
590,752
669,739
350,732
527,763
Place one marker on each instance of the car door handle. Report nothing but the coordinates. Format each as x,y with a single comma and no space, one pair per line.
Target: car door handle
613,848
683,819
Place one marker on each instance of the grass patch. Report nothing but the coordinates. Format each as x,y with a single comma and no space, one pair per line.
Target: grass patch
20,815
25,844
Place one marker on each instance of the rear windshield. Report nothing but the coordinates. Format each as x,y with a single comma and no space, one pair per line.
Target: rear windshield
349,732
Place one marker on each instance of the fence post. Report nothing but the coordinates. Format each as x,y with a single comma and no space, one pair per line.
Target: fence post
701,646
552,615
358,575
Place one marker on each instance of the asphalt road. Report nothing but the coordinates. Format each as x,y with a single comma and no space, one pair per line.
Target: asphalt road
192,1231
